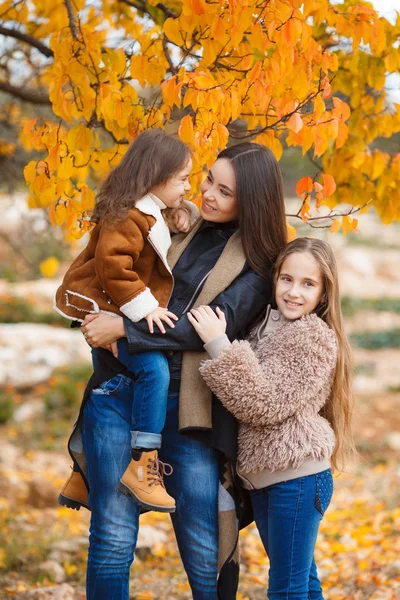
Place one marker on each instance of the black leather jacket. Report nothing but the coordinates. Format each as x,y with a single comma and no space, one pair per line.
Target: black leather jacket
242,302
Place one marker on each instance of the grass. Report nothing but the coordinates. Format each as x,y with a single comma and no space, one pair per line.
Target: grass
14,309
352,305
376,340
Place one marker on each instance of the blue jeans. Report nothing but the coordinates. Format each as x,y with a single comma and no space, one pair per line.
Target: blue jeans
115,517
149,409
288,515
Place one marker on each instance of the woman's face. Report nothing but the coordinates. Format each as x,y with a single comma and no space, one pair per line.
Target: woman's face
218,190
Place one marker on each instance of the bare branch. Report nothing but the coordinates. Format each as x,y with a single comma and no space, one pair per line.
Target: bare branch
172,68
28,39
330,216
22,94
71,19
140,5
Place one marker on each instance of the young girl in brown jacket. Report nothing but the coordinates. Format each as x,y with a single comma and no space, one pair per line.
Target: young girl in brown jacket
288,386
124,271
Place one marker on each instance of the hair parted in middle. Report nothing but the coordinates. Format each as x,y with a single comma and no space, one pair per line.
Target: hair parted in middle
338,410
151,159
259,194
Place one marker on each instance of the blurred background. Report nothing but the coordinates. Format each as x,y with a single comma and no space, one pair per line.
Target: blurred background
44,365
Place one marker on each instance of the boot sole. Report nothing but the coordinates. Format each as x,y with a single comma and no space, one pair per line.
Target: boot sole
70,503
124,489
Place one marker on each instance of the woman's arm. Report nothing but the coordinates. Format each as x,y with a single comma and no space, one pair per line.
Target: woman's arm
296,368
241,303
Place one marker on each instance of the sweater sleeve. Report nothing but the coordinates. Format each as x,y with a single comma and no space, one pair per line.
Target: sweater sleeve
117,251
270,391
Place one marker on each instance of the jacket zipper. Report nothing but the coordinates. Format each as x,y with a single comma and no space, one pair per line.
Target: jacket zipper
169,270
195,292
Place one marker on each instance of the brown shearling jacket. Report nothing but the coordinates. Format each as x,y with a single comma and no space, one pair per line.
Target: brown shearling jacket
122,270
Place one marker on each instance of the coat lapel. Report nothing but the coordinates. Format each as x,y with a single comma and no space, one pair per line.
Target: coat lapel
229,266
180,242
226,269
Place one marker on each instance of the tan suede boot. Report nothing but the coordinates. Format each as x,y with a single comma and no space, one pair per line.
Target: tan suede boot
74,494
143,480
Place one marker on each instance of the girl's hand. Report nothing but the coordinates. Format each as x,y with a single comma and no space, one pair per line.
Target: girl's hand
207,324
101,330
181,219
157,316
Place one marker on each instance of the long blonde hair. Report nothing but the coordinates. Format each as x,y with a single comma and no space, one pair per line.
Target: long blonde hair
339,407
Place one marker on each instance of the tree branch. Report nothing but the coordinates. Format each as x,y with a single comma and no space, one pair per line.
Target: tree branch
139,5
28,39
26,95
172,68
71,19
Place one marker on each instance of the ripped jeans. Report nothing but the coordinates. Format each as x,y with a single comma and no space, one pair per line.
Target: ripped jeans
288,515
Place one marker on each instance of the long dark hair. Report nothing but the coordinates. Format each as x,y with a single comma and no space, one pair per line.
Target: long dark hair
150,160
259,194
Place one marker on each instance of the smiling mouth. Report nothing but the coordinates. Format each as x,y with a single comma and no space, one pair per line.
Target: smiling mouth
207,206
293,304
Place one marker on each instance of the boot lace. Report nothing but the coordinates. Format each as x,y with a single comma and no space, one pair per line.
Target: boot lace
156,469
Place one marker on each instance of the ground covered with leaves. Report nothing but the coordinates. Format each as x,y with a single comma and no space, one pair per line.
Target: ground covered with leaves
357,553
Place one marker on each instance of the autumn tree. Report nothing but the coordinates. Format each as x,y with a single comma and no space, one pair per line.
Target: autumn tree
300,73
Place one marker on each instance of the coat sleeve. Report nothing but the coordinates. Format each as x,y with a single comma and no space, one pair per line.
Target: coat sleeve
116,253
268,392
241,302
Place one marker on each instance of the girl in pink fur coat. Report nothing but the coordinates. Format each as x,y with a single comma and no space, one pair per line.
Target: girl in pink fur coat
288,385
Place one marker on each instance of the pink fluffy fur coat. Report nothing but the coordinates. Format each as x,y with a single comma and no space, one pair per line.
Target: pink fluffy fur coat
276,392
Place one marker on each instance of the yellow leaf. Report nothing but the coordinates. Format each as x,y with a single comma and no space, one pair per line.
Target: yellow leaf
173,31
346,224
291,231
334,228
49,267
186,131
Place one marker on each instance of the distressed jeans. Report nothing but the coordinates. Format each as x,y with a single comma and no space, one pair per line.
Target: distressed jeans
288,515
151,374
115,517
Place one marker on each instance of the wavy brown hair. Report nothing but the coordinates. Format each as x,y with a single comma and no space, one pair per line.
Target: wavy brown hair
152,159
259,194
338,409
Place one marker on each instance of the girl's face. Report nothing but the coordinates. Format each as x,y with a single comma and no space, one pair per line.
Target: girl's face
300,286
173,191
218,190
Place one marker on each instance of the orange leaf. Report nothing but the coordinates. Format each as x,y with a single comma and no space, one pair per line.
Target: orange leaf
254,73
327,90
291,31
199,7
329,185
305,184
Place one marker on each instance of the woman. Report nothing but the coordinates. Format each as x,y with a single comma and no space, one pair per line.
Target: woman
225,261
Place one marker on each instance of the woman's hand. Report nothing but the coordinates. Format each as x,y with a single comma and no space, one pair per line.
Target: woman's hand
207,324
102,330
